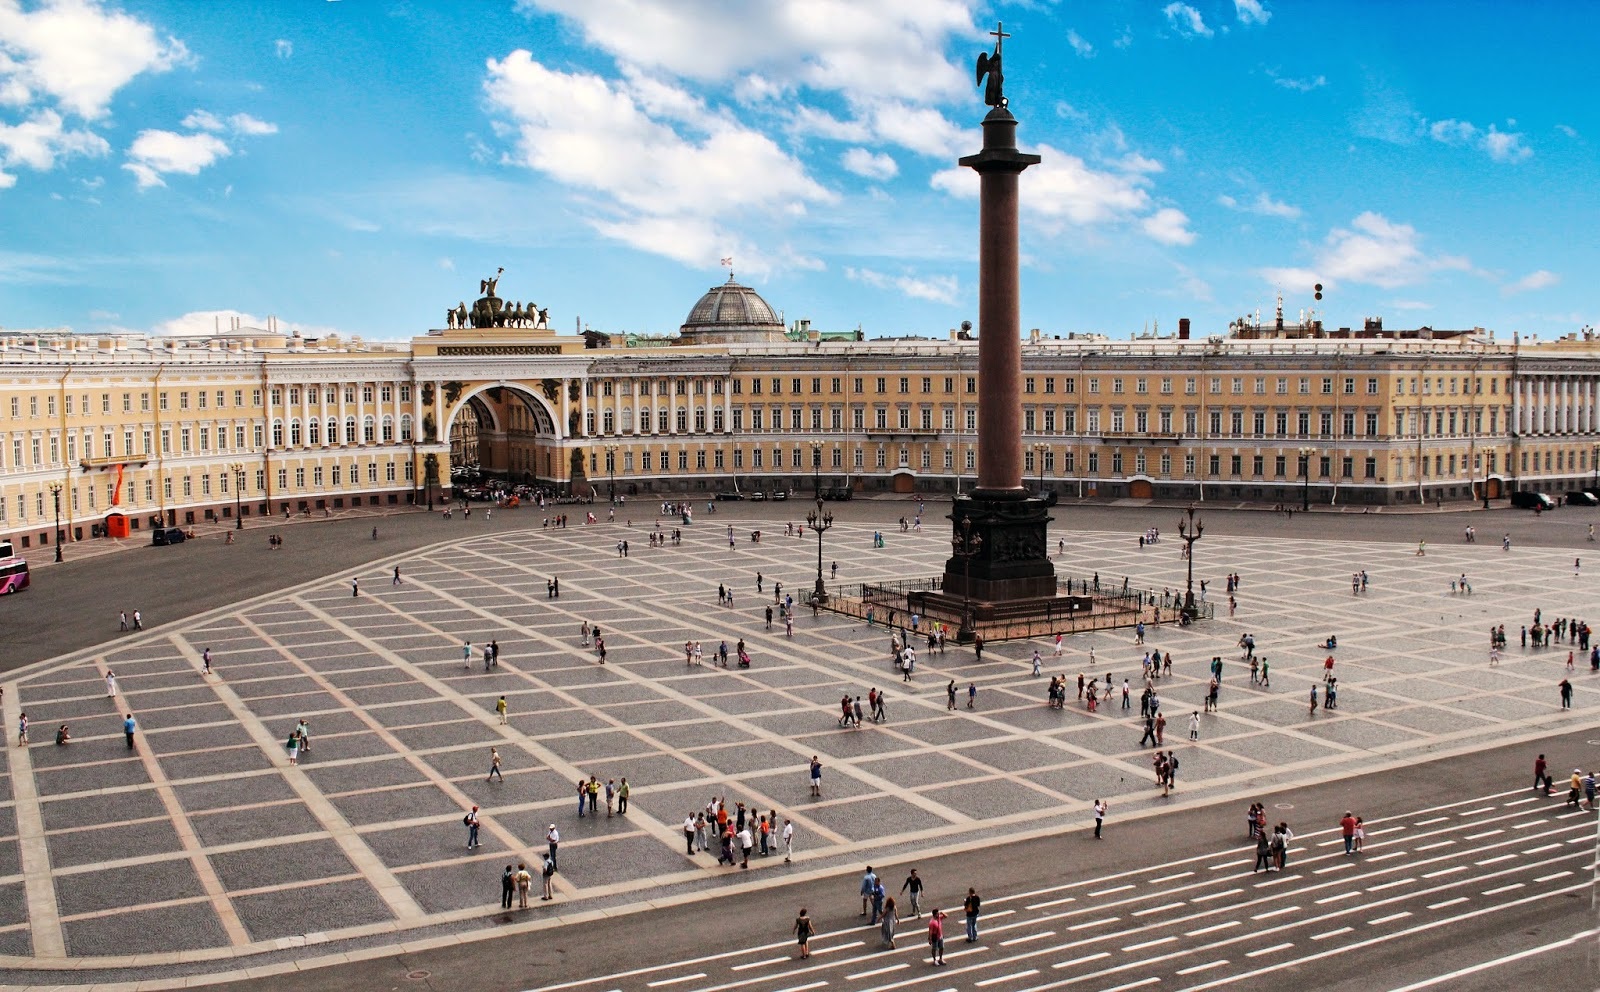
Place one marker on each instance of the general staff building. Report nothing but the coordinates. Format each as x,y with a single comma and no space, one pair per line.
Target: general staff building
130,431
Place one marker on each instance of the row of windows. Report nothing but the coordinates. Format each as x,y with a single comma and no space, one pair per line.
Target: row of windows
203,399
370,430
330,394
206,485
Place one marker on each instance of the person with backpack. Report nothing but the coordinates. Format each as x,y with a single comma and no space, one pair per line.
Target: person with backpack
549,874
470,821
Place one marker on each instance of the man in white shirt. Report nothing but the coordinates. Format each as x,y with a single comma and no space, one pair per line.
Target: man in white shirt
746,842
788,840
553,838
688,834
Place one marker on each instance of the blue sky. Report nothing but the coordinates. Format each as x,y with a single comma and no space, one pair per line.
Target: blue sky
358,165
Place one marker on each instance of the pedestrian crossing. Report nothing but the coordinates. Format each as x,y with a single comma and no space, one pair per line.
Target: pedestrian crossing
1200,922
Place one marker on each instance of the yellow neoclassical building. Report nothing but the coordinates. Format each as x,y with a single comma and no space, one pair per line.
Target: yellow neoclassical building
130,431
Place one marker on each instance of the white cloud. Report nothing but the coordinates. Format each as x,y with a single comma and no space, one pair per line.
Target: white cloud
1251,12
1374,251
1538,279
1186,20
1065,190
1263,204
894,49
40,141
155,153
248,125
284,48
1169,226
660,190
204,120
938,289
1408,305
1079,45
1125,39
1300,85
809,122
448,264
1502,146
77,53
921,129
865,163
1567,130
202,323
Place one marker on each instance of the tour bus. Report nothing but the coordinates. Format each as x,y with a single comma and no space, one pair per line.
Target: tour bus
13,575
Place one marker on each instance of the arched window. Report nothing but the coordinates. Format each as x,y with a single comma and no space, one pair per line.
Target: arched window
277,433
349,430
388,428
627,420
294,433
333,430
405,427
313,431
368,430
683,420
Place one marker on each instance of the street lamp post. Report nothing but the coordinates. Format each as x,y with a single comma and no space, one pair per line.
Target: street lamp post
1190,531
818,520
1305,475
55,490
1596,464
238,495
1039,448
1485,481
430,475
965,546
611,470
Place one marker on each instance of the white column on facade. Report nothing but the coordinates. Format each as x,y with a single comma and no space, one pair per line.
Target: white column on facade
561,409
672,410
727,403
583,404
1571,388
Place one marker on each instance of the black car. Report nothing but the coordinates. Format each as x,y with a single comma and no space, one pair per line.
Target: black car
1582,497
778,495
730,496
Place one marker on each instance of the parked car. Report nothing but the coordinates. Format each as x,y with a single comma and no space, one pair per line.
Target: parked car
730,496
758,495
778,495
163,536
837,492
1582,497
1532,501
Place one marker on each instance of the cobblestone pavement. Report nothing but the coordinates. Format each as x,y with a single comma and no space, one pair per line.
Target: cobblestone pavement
204,849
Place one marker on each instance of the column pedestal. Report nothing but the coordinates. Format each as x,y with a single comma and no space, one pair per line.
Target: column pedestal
1012,558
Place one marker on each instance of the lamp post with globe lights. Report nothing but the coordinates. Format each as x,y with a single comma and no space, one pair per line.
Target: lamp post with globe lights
818,520
237,468
1305,475
611,470
55,490
1190,530
966,547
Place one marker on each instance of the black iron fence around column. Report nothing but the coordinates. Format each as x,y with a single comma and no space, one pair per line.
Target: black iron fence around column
1117,603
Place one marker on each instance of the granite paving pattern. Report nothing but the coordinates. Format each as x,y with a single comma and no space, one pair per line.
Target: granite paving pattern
206,839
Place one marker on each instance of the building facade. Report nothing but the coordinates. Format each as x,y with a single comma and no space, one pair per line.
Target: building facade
131,432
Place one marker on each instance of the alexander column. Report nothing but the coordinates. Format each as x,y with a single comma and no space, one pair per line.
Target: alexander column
999,536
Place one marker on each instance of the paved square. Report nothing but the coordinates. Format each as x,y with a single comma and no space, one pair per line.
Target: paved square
206,840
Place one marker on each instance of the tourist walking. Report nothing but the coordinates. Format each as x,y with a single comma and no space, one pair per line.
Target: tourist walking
1099,816
803,930
470,821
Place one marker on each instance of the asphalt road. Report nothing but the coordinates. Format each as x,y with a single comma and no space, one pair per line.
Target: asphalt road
74,605
1012,877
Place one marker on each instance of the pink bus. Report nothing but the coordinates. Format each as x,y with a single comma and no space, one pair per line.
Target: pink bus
13,575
